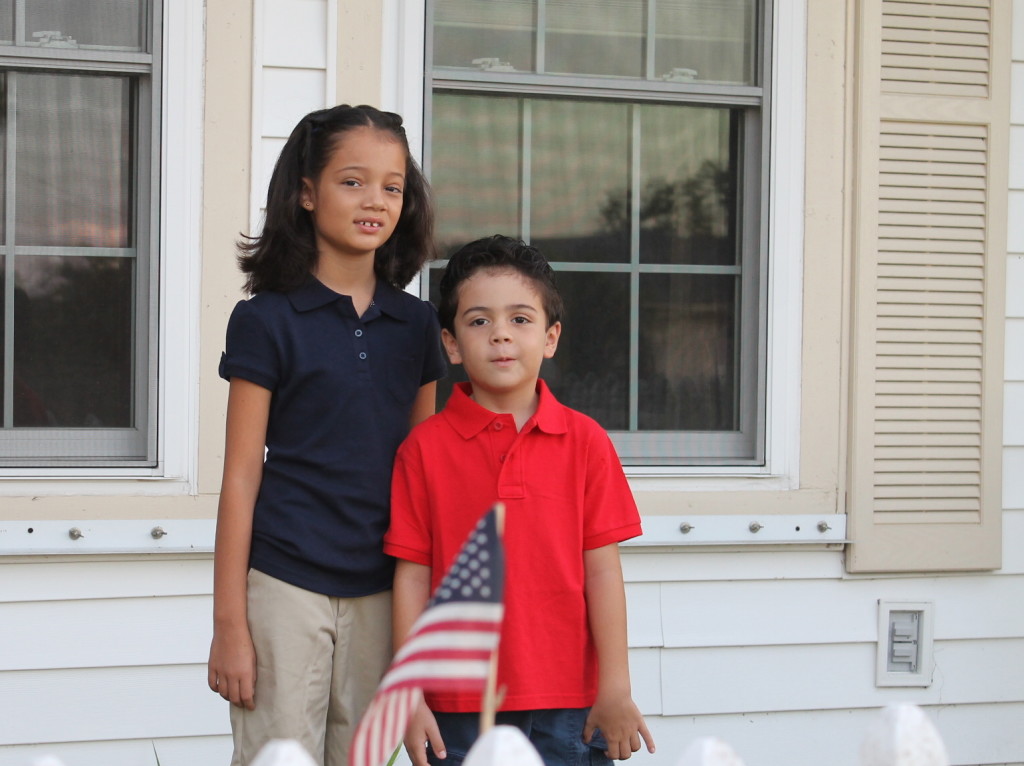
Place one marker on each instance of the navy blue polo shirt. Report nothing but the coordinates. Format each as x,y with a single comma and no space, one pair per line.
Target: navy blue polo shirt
343,388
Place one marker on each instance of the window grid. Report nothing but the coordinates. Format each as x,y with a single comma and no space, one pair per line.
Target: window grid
102,447
745,446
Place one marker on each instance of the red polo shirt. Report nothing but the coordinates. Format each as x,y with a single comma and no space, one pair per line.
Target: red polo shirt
564,492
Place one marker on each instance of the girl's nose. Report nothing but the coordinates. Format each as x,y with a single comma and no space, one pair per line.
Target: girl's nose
374,198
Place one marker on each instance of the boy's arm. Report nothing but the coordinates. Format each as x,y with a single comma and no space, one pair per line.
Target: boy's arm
232,666
410,597
614,712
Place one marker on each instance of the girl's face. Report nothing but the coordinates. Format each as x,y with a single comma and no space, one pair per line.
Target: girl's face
357,200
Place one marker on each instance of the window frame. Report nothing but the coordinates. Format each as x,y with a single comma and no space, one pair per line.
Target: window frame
779,58
171,327
63,446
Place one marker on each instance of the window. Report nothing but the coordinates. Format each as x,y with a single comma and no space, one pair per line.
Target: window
79,129
627,140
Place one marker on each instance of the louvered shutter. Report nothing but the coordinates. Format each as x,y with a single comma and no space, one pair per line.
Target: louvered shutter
931,127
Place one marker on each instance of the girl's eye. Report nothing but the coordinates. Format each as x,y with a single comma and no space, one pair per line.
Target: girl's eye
394,189
350,182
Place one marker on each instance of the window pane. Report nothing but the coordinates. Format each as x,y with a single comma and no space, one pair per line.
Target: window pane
73,23
706,42
74,161
475,167
7,22
688,196
580,180
3,159
497,34
595,38
73,342
687,364
590,371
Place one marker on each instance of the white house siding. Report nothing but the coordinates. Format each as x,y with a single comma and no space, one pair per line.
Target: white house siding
102,662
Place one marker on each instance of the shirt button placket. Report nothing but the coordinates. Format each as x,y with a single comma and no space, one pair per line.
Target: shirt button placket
361,347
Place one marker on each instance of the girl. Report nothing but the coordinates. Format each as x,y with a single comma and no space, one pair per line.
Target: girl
329,363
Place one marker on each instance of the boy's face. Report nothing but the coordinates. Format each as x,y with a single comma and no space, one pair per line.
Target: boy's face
501,334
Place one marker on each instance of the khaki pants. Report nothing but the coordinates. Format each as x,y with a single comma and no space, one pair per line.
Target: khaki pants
318,662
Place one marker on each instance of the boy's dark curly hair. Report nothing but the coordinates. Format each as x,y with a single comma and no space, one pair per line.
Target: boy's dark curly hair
284,254
498,252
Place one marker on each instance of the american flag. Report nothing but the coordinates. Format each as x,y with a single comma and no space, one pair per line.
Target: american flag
449,647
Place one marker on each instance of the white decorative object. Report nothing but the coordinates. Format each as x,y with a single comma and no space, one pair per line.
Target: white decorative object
903,736
283,752
709,751
503,746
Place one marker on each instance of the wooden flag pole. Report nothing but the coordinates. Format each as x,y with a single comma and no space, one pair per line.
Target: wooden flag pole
492,696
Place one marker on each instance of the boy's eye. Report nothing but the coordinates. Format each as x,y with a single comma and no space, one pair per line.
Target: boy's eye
350,182
521,320
478,322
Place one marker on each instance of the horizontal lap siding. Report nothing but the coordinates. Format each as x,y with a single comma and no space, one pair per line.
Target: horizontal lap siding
775,653
108,652
178,751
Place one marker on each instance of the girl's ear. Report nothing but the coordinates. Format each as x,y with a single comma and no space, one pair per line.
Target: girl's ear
451,346
306,195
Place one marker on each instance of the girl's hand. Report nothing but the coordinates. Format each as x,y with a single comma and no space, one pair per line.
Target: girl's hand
231,671
422,728
621,724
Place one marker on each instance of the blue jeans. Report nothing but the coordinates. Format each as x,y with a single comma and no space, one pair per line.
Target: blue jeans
556,733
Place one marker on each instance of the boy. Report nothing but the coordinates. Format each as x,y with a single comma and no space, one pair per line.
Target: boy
503,436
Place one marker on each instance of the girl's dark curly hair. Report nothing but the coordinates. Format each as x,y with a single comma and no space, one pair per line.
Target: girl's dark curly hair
500,253
284,253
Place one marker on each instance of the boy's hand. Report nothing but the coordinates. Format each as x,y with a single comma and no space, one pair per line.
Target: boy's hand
621,724
231,671
422,728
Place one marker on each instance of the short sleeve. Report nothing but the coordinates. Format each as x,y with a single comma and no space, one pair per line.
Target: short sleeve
435,365
249,351
408,536
611,515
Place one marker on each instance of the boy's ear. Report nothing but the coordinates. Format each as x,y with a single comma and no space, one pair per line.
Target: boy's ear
551,341
451,346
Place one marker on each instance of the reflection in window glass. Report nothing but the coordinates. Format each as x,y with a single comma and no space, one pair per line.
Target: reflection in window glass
688,370
74,161
94,23
495,35
605,39
689,190
590,371
475,167
580,180
706,42
72,342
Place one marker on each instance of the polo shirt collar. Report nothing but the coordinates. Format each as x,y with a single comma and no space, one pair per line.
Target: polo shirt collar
314,294
468,418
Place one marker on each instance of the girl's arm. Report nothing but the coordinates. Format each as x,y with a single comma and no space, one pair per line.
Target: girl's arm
614,711
232,666
423,405
411,593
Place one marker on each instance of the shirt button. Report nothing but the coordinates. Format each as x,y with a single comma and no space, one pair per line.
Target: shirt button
502,458
498,426
359,333
362,355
